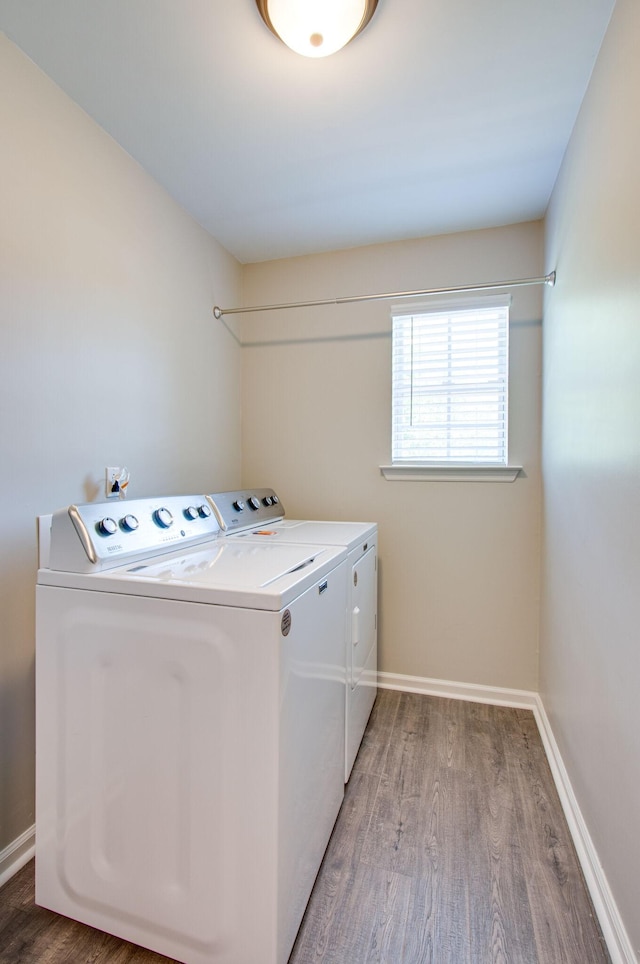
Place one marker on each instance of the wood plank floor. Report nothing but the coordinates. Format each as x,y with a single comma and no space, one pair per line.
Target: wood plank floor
450,848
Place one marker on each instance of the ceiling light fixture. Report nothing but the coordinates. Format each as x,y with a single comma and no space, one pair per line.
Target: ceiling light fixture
316,28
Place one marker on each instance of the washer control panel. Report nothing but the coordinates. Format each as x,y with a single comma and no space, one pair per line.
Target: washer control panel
100,535
246,509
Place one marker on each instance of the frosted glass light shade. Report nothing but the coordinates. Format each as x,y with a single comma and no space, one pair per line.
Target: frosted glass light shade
316,28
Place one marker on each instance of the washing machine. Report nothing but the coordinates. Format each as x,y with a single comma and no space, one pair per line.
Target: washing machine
189,727
259,513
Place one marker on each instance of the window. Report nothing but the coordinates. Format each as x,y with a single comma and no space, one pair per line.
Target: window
450,383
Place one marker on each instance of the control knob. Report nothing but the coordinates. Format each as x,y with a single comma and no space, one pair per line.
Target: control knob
107,526
275,499
267,500
129,523
204,511
238,505
191,512
254,503
163,518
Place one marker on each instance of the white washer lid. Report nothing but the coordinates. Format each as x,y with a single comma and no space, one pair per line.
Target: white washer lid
250,573
247,565
299,531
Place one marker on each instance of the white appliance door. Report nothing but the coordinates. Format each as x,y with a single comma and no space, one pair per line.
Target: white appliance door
362,655
363,614
137,707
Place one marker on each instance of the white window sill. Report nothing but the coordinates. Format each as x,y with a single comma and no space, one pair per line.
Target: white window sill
450,473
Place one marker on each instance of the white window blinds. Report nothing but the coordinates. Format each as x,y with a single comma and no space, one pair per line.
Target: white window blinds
450,384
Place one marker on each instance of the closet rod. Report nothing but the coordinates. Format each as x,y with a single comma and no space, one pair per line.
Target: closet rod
548,279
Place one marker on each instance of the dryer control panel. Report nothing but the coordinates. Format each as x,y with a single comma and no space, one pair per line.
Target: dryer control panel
101,535
246,509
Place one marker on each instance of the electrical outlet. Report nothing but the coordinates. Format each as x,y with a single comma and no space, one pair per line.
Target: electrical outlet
111,473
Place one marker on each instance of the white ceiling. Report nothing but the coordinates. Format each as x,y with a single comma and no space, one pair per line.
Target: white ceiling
443,115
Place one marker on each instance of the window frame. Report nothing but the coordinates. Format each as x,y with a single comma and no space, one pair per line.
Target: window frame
453,469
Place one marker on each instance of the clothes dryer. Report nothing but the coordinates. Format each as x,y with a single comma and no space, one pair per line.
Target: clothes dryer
190,726
259,513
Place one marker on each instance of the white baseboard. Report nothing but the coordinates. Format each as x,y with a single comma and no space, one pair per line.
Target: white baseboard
17,854
618,943
472,692
613,930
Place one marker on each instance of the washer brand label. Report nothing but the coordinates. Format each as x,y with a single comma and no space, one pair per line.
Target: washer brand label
113,548
285,625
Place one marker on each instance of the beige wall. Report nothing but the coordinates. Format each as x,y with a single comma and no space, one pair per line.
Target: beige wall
459,562
108,351
590,650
